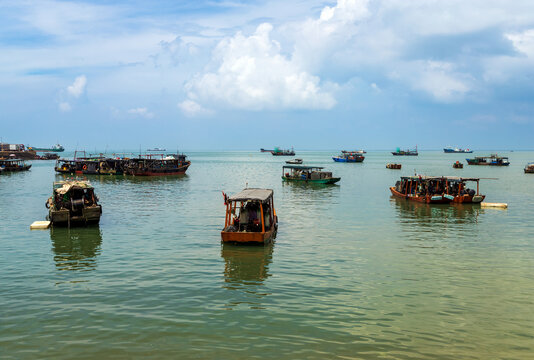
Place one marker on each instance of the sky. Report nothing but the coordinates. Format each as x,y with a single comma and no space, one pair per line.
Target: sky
236,75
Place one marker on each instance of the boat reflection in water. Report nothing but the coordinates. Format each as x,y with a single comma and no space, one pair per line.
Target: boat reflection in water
245,270
76,248
425,215
427,227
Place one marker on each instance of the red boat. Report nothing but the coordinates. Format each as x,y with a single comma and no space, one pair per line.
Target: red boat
437,190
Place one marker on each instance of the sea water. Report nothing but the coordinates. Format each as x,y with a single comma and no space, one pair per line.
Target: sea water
353,273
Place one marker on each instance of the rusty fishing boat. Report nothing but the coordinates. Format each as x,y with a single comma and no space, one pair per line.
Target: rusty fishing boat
157,165
250,217
73,202
437,189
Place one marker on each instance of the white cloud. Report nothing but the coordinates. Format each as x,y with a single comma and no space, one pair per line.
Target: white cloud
78,86
523,42
192,108
440,80
142,112
253,74
64,106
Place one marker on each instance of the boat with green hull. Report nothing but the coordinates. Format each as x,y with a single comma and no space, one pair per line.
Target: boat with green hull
308,174
55,148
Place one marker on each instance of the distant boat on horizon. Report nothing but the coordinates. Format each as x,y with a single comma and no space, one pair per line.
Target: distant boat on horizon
450,149
55,148
156,149
408,152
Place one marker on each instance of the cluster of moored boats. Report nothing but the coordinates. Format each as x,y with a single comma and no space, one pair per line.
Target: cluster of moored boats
142,165
250,215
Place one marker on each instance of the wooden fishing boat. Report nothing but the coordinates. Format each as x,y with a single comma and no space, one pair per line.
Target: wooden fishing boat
437,189
458,165
250,217
529,169
422,189
157,165
294,162
394,166
349,157
408,152
308,174
73,203
14,165
492,160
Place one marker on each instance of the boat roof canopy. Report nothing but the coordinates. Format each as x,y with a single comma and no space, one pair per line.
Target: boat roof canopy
448,178
302,167
252,194
62,187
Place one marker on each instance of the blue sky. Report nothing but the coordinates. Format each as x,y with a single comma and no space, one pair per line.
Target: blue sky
250,74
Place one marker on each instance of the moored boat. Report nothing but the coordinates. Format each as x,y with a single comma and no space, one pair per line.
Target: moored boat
437,189
457,150
281,152
394,166
294,161
309,174
529,168
157,165
349,156
14,165
492,160
458,165
250,217
55,148
422,189
407,152
73,203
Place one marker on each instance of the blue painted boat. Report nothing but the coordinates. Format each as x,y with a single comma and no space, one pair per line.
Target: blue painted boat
349,156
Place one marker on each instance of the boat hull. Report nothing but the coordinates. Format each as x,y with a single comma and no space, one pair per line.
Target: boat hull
63,217
314,181
355,160
474,162
249,237
160,172
427,199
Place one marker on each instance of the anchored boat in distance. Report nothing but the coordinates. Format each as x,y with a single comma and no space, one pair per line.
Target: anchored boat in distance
280,152
492,160
308,174
456,150
55,148
350,156
407,152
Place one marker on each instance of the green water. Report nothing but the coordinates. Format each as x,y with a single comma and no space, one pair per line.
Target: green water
353,273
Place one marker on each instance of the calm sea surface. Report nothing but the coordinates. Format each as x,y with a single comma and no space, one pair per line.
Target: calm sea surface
353,273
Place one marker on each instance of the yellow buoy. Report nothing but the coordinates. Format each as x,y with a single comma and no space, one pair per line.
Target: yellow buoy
494,205
40,225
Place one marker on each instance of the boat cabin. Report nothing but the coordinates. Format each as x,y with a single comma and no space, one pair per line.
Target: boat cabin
529,168
250,217
73,203
313,174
